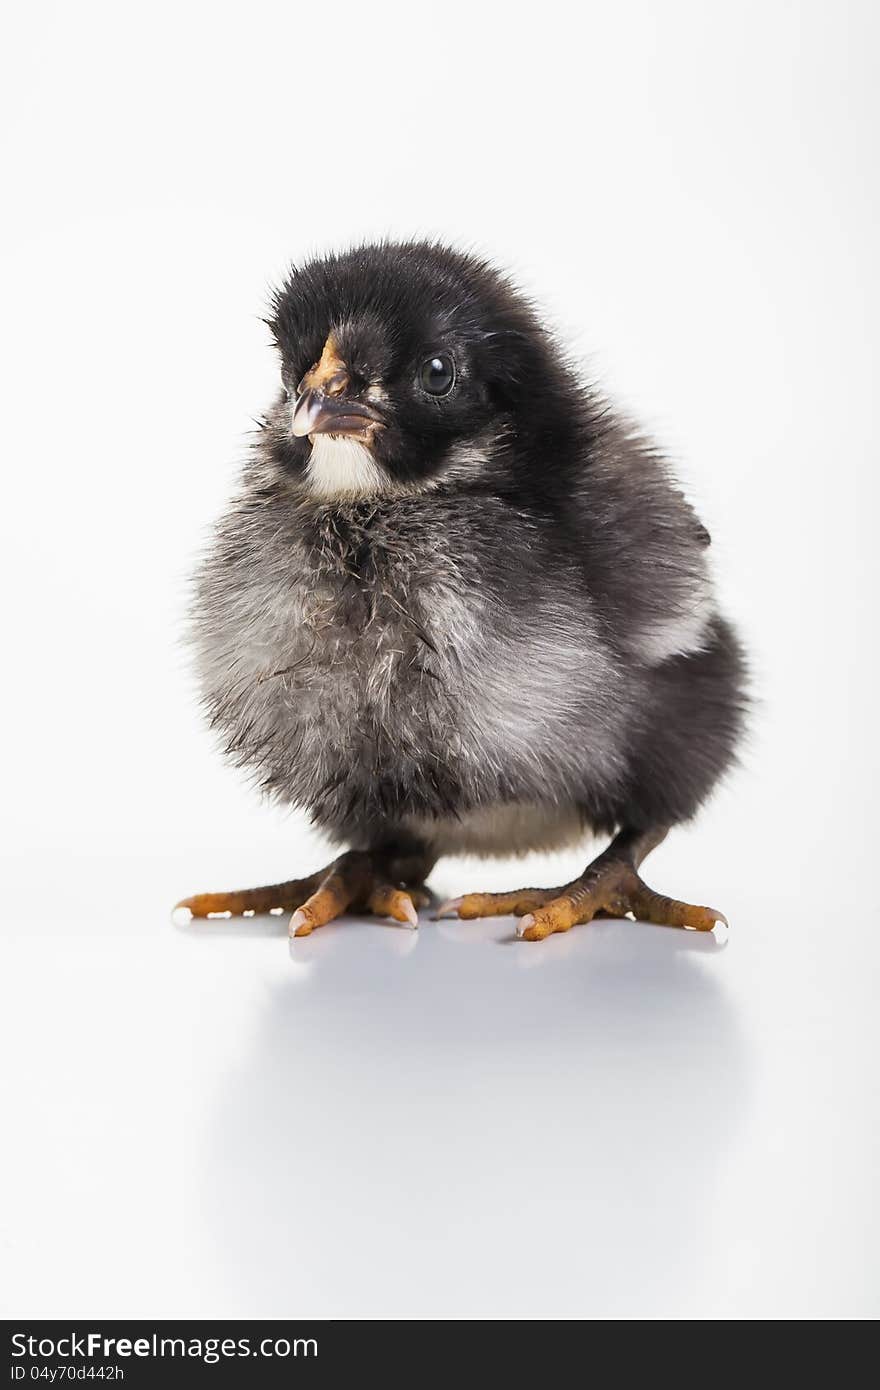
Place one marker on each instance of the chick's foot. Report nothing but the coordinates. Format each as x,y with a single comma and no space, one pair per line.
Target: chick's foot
360,881
609,887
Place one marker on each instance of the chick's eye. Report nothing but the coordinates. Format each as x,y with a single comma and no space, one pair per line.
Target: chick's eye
437,374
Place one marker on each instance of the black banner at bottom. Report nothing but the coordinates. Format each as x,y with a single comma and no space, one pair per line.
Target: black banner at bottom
93,1352
131,1353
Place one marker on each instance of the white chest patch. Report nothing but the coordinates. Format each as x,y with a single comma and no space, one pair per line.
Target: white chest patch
340,467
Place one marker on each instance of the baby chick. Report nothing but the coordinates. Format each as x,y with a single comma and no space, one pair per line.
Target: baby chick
459,606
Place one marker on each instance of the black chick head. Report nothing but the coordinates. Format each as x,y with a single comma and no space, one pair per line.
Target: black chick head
409,358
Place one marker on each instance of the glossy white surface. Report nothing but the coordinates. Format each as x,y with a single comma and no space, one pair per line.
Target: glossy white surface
626,1121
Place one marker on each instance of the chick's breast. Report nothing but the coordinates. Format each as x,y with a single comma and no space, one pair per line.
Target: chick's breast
415,657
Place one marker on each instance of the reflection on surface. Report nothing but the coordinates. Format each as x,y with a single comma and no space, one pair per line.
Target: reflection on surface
508,1127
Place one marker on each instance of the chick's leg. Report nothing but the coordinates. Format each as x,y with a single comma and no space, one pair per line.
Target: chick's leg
380,882
610,886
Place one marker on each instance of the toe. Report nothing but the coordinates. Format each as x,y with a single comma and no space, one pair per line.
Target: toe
535,926
202,905
559,914
388,901
332,898
528,929
649,906
301,923
515,904
406,912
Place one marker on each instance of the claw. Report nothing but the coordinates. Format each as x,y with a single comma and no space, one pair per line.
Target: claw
528,928
410,913
447,909
299,924
387,901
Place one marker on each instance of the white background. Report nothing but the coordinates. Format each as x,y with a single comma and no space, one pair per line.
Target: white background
621,1122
